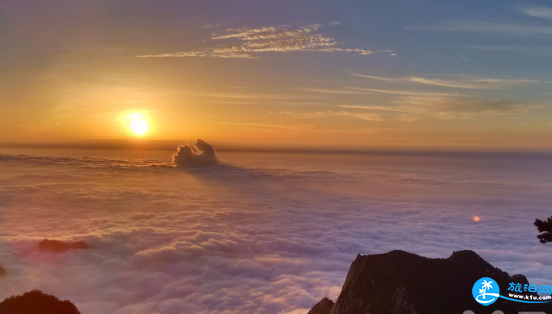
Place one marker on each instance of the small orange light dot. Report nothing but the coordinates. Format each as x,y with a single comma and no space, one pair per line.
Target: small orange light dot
476,218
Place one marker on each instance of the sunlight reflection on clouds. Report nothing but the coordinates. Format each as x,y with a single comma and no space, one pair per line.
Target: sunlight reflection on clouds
262,233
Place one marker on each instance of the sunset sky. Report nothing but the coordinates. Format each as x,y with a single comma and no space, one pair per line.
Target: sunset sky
360,73
235,156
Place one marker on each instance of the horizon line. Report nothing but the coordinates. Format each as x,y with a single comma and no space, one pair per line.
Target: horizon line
170,145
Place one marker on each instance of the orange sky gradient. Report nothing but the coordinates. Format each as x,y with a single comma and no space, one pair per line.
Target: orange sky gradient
78,84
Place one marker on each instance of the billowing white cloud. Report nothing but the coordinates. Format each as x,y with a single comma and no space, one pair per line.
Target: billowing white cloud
198,154
264,234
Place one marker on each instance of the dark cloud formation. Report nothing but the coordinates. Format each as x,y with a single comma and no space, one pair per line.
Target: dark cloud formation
545,229
199,154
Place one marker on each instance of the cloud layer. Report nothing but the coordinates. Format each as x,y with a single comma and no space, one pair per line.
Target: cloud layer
272,233
250,42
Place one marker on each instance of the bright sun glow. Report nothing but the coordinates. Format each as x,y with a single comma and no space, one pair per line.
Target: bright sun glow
138,124
476,218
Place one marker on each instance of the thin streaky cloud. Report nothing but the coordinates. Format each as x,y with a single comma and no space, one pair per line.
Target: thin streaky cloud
402,92
249,43
335,91
270,126
540,11
444,107
377,108
426,81
249,96
446,83
378,78
461,81
270,32
231,102
478,26
415,107
475,83
209,26
288,103
335,114
228,53
508,81
518,48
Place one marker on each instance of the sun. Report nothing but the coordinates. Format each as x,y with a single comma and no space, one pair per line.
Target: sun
138,125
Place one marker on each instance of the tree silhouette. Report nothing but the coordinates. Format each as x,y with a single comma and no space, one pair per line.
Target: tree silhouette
545,228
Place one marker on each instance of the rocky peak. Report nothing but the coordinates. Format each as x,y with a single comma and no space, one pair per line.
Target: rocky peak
322,307
399,282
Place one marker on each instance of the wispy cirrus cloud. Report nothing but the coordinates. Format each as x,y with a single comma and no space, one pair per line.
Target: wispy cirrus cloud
490,27
457,81
400,98
503,48
336,91
397,92
241,96
270,126
538,11
445,107
367,116
250,42
412,107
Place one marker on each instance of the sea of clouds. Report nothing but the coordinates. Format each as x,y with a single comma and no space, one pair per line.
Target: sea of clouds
256,233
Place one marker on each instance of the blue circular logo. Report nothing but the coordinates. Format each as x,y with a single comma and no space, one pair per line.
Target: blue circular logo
486,291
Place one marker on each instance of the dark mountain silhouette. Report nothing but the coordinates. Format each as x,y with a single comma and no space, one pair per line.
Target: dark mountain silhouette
36,302
322,307
2,271
57,246
403,283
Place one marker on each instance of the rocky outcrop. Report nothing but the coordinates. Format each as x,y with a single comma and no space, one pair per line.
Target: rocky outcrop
36,302
403,283
57,246
322,307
